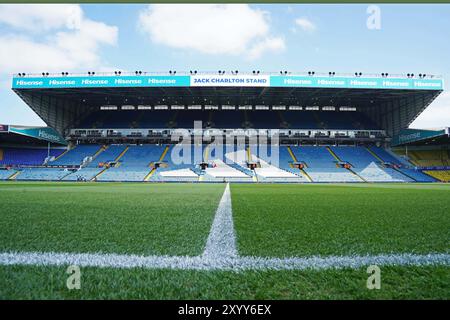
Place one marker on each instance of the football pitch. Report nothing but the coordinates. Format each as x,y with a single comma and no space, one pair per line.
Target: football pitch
217,241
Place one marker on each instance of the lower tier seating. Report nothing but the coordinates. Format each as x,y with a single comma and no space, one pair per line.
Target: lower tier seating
331,175
441,175
161,163
43,174
5,174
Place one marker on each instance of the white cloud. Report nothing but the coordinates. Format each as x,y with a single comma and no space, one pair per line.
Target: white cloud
41,17
305,24
53,38
436,115
73,42
210,28
268,44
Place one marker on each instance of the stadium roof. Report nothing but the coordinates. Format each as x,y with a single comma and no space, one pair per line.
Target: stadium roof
12,134
422,137
393,101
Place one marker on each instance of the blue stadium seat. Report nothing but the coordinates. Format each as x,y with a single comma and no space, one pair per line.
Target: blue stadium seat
76,155
26,156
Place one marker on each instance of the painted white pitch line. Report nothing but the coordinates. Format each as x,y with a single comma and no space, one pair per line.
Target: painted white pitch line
220,254
231,264
221,243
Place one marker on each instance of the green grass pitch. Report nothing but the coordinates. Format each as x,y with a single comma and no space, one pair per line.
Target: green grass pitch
270,220
298,220
113,218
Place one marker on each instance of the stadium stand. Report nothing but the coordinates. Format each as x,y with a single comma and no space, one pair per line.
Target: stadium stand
43,174
133,164
322,132
272,167
6,174
222,119
158,163
26,156
417,175
400,164
226,163
321,166
77,155
367,166
441,175
430,158
170,170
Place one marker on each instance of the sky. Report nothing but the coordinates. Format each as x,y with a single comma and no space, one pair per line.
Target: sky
296,37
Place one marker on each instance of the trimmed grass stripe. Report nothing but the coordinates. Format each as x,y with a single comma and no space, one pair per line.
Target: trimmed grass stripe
142,219
309,220
399,282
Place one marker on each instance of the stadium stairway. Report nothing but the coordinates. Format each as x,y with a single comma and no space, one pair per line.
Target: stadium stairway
121,154
369,167
226,163
250,159
95,177
273,165
294,158
205,154
14,175
339,160
116,159
149,175
153,170
76,155
91,171
8,174
374,155
395,162
402,166
62,154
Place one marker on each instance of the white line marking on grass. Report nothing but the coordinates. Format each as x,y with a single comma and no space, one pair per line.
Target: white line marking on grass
230,264
220,254
221,243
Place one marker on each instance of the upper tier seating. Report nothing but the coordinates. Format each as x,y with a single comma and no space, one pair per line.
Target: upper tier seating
222,119
26,156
